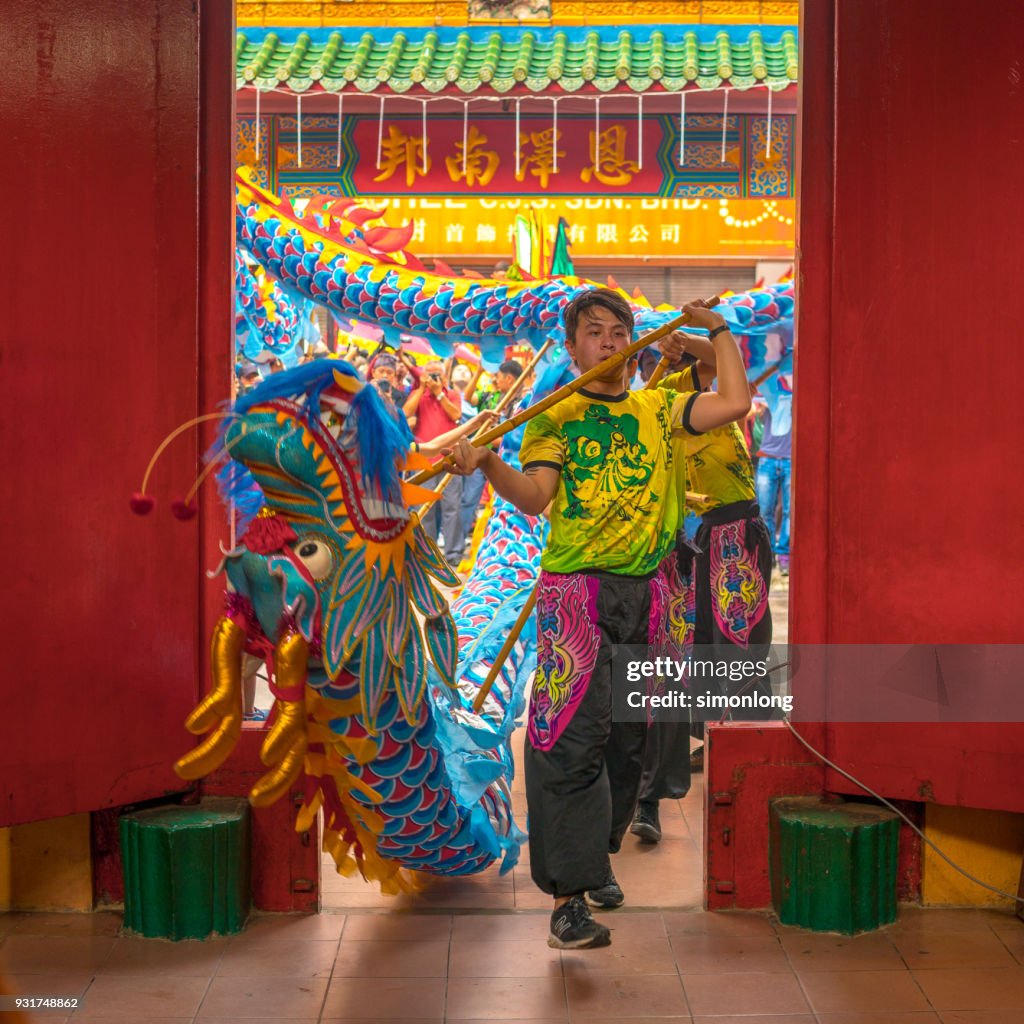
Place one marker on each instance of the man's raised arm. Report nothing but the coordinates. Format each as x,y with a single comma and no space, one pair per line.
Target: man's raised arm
732,399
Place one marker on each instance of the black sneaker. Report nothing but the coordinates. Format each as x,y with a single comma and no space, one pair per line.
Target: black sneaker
608,897
646,824
573,927
697,759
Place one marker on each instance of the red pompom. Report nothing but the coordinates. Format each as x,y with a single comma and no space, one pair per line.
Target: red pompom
142,504
268,533
183,511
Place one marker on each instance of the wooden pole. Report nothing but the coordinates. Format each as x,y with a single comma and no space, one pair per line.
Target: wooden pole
506,649
765,374
504,400
619,359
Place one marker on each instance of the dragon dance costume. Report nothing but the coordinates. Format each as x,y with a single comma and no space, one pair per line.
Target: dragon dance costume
608,577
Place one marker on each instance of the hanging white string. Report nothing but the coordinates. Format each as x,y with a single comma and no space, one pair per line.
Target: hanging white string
597,128
517,140
682,128
554,136
640,131
465,134
298,118
725,120
499,99
768,139
341,114
423,162
257,126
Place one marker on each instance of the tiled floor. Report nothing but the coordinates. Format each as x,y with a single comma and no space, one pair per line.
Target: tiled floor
932,967
474,950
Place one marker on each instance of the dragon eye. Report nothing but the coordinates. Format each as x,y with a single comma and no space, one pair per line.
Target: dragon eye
317,557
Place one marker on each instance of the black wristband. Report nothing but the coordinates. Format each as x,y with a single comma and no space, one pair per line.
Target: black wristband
716,331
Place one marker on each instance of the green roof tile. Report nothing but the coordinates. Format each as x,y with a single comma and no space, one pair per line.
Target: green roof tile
397,61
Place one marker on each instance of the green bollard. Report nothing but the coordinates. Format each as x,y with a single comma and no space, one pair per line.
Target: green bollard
833,865
187,869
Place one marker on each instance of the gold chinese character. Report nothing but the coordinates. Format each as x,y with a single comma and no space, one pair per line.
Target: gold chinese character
541,161
400,149
480,164
608,158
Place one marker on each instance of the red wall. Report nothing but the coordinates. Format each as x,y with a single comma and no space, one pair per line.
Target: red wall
110,294
910,370
908,478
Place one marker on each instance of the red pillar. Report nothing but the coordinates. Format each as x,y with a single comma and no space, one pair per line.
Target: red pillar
908,377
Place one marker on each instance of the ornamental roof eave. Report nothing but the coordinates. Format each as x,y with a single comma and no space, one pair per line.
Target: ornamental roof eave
525,62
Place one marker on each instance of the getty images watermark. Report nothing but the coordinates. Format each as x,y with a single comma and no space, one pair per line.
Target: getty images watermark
821,683
697,687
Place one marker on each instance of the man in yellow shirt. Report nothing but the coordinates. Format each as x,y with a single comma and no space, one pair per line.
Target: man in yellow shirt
731,574
603,460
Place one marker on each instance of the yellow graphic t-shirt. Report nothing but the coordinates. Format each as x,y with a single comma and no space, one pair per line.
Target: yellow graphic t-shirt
617,507
717,462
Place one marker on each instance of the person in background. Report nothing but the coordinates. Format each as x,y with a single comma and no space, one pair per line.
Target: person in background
731,545
382,371
773,478
462,376
507,374
473,487
438,410
248,376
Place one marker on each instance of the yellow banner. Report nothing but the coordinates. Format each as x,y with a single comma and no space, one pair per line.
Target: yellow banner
605,227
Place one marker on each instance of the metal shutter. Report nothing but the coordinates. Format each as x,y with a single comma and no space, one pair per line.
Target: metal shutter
674,285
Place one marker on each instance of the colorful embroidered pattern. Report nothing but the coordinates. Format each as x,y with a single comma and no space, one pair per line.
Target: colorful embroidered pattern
739,595
567,644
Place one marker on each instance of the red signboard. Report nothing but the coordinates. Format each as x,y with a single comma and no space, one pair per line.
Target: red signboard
482,155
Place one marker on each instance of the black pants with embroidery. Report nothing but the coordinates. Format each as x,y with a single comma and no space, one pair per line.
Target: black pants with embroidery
581,793
666,772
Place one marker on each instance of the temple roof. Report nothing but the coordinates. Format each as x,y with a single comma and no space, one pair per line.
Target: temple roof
521,60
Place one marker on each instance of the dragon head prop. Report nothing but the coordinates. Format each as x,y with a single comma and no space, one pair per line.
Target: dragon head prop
334,551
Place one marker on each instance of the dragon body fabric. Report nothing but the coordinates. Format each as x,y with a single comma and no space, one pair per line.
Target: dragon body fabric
364,274
334,580
268,321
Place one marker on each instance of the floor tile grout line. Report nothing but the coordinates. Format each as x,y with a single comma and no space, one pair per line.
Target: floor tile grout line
334,962
448,970
206,992
679,967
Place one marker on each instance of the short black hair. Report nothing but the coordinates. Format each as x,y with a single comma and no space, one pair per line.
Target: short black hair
510,366
604,297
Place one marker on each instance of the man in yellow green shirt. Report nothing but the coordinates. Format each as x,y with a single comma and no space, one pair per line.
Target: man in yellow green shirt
604,461
730,578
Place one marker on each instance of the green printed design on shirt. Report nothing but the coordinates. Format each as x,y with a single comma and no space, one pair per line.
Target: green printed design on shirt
605,465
